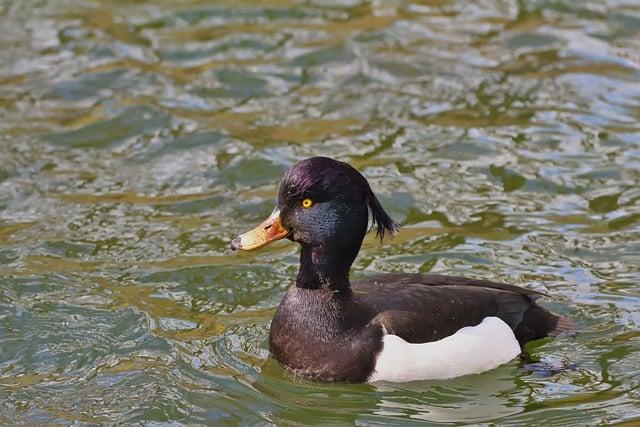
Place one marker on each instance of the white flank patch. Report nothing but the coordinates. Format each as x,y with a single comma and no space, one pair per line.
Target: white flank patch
470,350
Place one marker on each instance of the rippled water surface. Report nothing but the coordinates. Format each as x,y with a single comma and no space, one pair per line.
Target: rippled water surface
138,137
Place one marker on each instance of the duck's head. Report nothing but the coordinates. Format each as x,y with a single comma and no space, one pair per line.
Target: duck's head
324,205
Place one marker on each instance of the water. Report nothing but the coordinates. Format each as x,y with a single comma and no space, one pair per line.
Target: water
137,138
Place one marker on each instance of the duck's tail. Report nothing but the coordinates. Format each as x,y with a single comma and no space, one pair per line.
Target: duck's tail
538,322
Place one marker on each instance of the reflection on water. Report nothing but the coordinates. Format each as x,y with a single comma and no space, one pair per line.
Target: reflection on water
475,398
137,138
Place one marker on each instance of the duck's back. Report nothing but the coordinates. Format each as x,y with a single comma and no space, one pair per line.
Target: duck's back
422,308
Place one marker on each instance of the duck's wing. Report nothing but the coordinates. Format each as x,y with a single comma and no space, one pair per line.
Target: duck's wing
423,308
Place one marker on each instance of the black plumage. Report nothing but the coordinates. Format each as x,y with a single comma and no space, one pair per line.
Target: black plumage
328,328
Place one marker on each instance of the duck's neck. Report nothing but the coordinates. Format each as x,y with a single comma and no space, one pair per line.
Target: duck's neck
323,268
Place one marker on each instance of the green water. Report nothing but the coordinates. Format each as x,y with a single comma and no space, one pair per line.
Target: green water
137,138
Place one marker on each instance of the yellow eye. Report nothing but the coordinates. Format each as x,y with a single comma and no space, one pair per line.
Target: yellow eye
307,203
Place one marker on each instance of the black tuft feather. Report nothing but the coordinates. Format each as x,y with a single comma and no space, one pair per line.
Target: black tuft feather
380,219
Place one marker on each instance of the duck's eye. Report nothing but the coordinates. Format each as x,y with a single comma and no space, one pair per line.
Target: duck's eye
307,203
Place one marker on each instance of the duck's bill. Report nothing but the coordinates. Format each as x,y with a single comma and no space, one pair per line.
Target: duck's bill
269,231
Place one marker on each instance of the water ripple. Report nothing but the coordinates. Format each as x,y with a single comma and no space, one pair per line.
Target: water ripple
137,139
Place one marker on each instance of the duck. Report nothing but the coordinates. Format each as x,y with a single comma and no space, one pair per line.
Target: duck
393,327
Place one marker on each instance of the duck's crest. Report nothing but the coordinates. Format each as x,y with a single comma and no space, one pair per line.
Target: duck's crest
380,219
